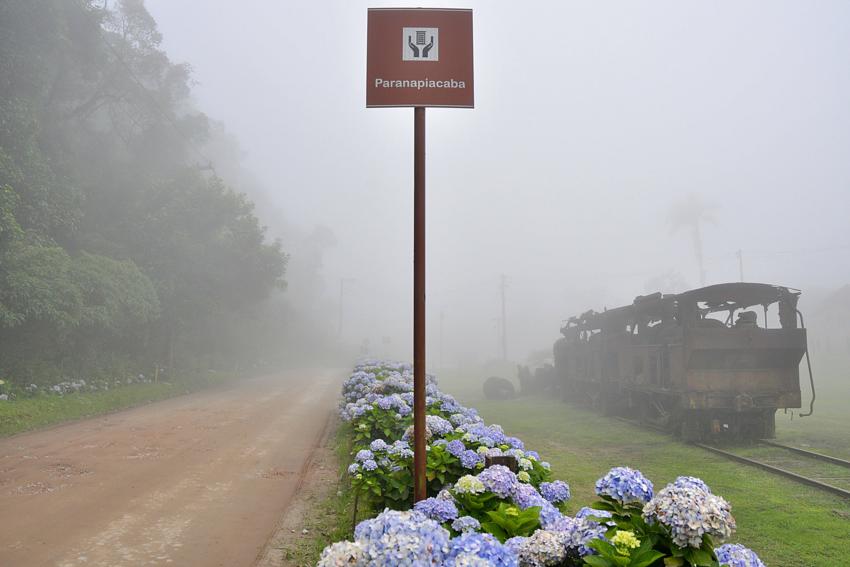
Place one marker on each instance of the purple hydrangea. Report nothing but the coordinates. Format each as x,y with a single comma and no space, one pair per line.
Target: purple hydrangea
466,524
736,555
514,442
438,426
353,468
467,547
469,459
525,496
455,447
586,513
437,509
625,485
369,465
499,480
363,455
555,492
378,445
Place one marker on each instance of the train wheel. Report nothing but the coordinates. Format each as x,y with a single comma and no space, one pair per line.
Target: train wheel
690,430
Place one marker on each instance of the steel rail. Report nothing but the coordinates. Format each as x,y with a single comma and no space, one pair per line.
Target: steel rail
812,454
786,473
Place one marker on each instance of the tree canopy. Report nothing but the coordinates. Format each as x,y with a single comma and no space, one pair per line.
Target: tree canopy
117,241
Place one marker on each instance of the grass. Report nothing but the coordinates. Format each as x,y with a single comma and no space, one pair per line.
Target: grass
788,524
25,414
332,517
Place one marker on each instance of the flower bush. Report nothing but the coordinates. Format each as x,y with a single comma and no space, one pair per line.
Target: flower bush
476,515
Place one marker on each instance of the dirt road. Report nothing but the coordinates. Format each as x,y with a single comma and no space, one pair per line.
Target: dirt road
199,480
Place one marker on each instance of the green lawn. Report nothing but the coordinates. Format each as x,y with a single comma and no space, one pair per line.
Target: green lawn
25,414
786,523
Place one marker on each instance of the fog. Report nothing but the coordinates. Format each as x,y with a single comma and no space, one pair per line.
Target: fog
595,125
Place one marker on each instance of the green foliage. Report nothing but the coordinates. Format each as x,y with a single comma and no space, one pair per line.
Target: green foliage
508,521
112,243
621,556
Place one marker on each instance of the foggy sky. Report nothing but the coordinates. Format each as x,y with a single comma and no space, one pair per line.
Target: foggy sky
591,120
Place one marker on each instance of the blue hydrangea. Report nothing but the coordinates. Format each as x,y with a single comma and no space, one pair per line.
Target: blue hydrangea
378,445
736,555
549,515
625,485
469,459
578,532
437,509
402,538
691,481
514,442
466,524
555,492
369,465
499,480
586,512
363,455
484,546
525,496
516,543
400,449
353,468
455,447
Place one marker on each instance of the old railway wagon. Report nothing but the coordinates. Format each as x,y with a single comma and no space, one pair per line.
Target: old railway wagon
712,362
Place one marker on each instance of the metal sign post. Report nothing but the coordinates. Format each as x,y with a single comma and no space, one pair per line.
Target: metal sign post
419,57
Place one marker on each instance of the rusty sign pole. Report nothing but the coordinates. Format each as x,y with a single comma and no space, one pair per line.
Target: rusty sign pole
420,491
419,57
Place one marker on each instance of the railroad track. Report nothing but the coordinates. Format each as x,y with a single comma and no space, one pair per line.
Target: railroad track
808,480
803,457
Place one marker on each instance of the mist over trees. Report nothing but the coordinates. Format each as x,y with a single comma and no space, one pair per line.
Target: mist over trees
120,247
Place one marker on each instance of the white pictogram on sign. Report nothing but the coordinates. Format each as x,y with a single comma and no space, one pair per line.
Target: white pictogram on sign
420,44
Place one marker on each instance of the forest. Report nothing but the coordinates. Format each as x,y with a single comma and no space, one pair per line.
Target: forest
121,249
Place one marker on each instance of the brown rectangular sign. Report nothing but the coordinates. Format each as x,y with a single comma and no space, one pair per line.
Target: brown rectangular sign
419,57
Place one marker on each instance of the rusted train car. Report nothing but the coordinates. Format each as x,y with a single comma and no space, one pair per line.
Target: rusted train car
705,363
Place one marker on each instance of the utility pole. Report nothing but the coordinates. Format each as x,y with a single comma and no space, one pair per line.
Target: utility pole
740,255
503,285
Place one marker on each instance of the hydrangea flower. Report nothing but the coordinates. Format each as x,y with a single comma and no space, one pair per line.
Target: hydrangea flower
469,485
555,492
499,480
689,513
542,549
525,496
467,547
437,509
369,465
438,426
578,533
470,459
378,445
624,541
363,455
353,468
343,554
466,524
691,481
402,538
455,447
523,476
625,485
586,512
736,555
